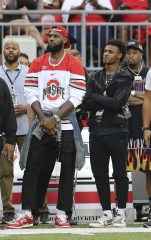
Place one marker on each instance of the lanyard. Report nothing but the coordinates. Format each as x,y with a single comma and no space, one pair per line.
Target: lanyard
12,82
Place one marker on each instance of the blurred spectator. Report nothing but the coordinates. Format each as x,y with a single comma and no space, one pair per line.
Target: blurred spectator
134,5
23,5
98,34
3,4
24,59
137,33
76,54
51,5
50,18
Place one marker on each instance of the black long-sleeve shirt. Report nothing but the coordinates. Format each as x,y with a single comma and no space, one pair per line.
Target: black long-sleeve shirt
8,124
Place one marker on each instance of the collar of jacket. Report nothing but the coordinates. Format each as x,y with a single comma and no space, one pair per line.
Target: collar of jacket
123,72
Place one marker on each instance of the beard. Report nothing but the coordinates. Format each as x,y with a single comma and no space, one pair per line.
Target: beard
54,48
132,65
12,60
108,63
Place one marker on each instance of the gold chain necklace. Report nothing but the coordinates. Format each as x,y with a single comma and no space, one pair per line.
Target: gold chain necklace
109,77
55,64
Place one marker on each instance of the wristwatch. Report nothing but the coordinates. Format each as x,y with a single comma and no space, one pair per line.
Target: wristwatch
145,128
57,118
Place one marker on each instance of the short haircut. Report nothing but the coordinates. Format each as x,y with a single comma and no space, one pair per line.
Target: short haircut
120,45
75,52
24,55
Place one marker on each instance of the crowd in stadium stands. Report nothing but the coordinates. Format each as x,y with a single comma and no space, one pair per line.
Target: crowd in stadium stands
51,18
138,34
99,35
22,18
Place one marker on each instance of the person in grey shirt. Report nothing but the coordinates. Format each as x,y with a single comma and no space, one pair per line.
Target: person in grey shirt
14,75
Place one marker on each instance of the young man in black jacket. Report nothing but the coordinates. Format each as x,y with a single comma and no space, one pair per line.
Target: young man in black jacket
107,93
8,125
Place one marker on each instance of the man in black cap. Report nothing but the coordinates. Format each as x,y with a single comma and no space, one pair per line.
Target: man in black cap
136,145
135,44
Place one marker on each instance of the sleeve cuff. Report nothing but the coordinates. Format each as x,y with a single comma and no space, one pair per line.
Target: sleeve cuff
11,139
76,102
31,100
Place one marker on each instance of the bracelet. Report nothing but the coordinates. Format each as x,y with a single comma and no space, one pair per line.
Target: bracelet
145,128
133,92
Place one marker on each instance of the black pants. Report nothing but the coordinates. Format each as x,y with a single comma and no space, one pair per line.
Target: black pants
101,149
40,164
67,158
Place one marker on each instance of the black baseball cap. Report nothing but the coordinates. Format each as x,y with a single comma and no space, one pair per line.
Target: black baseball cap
135,44
72,39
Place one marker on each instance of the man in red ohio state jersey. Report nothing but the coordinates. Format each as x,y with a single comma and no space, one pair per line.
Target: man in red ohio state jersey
54,87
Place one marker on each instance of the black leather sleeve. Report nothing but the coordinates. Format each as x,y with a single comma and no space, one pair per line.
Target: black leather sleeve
88,104
119,97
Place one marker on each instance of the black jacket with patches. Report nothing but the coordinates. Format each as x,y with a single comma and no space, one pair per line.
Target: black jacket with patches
117,93
8,124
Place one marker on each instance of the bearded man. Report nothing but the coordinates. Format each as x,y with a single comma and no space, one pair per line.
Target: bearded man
14,75
54,87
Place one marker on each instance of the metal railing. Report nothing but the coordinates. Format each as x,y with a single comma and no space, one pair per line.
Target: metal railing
91,54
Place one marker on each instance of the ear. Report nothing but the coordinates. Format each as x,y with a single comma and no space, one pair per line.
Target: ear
64,40
141,55
119,55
